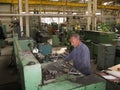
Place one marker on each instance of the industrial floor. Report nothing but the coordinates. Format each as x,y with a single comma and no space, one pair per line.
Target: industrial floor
8,74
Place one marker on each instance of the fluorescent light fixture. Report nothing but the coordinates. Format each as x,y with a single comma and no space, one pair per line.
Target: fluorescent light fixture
27,13
98,13
32,12
54,0
83,1
107,3
74,13
23,12
15,18
86,13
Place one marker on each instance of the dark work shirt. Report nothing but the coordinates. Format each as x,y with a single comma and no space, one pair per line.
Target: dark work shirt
81,58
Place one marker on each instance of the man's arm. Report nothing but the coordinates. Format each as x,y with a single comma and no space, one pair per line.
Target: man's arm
69,57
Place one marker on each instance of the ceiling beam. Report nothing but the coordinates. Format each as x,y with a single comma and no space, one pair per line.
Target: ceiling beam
68,4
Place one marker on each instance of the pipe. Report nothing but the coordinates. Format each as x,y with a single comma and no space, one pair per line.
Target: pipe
44,15
55,15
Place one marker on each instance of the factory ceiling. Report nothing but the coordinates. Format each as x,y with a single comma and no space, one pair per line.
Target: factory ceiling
102,4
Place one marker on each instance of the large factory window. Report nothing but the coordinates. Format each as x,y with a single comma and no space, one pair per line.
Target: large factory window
50,20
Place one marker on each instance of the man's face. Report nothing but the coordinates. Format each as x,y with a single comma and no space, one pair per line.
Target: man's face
73,41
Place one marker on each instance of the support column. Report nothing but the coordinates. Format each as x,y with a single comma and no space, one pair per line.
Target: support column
118,15
21,19
27,19
89,13
94,20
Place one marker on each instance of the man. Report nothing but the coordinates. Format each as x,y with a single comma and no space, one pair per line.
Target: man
80,55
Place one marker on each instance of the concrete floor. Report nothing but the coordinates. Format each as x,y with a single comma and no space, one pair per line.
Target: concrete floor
8,76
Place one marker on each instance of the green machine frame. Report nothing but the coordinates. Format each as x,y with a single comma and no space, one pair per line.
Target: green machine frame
30,72
28,67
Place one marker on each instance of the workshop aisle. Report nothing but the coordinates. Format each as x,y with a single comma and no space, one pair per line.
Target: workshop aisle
8,75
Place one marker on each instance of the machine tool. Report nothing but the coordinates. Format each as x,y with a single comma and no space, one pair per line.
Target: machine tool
52,75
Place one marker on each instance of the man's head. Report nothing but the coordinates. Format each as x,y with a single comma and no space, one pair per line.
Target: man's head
75,40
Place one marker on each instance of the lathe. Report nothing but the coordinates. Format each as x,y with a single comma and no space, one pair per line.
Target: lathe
51,75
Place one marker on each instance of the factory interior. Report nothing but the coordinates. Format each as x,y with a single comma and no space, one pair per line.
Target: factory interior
35,40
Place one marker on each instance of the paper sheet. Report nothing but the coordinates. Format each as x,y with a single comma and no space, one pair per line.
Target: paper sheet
109,77
114,73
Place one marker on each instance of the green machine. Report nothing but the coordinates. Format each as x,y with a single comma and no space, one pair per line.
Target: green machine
98,37
55,40
93,40
50,75
106,56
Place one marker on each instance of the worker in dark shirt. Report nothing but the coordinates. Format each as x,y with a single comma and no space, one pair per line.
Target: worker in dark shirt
80,55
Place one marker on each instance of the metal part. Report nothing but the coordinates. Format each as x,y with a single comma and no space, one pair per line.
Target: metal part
55,57
73,71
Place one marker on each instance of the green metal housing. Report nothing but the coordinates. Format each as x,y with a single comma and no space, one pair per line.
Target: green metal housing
30,72
55,40
93,38
29,69
106,56
98,37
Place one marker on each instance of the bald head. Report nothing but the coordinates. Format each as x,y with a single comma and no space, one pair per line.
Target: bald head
75,40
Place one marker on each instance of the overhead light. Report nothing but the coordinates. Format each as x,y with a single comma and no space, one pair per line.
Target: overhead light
15,18
86,12
23,12
74,13
54,0
98,13
82,1
107,3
